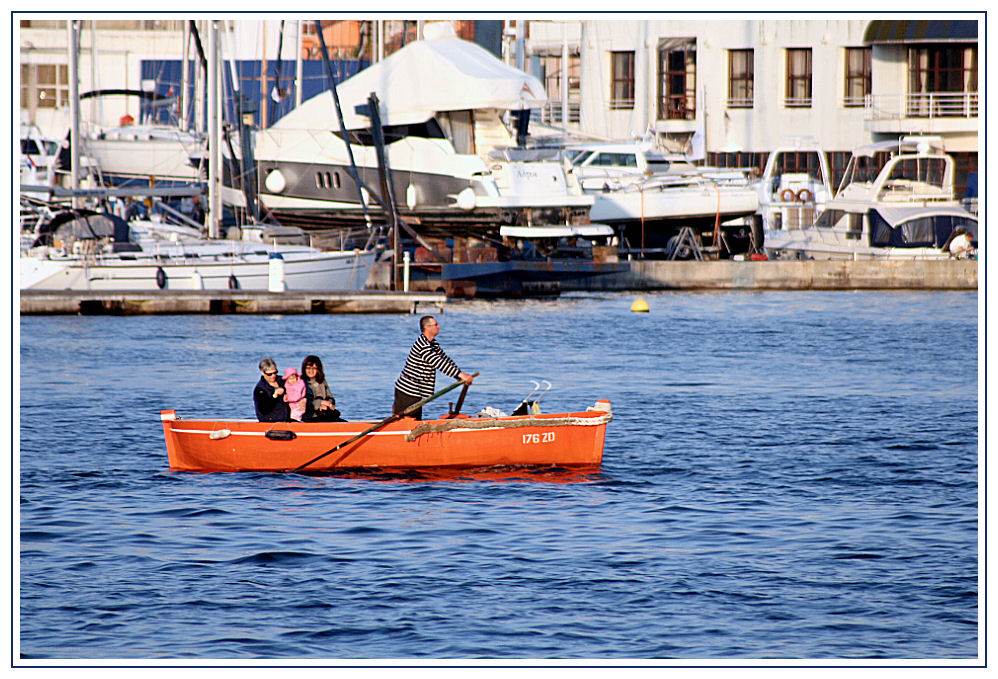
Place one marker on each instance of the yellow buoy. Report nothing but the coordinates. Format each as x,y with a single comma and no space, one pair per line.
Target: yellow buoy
640,306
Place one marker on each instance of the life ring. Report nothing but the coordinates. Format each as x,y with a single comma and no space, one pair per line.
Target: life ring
233,282
160,278
805,196
787,195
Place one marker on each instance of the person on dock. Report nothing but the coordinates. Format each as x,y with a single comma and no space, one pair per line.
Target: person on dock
320,402
294,393
268,394
418,378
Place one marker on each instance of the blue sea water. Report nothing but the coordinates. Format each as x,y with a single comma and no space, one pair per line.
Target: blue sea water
787,475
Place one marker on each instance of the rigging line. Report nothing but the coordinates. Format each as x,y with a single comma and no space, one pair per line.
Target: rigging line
343,131
277,66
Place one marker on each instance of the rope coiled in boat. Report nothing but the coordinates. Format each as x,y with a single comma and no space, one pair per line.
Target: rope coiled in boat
450,425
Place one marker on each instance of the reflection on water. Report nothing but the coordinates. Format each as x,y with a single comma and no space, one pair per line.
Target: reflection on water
545,474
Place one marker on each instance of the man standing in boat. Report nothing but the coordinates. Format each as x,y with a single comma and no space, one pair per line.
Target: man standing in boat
418,378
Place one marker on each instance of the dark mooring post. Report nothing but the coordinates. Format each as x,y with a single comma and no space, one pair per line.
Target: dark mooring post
385,178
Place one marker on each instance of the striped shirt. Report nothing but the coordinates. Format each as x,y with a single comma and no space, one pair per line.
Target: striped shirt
418,377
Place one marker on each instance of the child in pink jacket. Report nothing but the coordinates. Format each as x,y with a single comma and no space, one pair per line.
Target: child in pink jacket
294,393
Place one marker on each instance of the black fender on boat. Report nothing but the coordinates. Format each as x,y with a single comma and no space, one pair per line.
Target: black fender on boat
160,278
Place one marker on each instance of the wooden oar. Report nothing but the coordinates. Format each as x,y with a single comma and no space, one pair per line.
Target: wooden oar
391,418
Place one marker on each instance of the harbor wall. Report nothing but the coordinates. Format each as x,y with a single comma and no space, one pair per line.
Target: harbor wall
787,275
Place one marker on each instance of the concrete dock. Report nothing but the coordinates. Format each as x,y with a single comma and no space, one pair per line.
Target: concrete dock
923,274
41,302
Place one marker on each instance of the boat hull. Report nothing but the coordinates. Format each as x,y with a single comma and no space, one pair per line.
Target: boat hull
561,439
306,271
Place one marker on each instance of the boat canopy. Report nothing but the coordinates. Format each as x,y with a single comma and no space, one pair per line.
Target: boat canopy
422,78
914,227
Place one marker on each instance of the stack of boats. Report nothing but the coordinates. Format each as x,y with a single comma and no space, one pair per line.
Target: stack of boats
906,209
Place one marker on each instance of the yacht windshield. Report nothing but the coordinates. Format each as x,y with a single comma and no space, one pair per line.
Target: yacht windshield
929,171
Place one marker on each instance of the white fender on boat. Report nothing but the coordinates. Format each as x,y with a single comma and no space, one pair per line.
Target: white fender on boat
275,282
411,196
275,181
466,199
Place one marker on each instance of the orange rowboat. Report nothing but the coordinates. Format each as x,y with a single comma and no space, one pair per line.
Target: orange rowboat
559,439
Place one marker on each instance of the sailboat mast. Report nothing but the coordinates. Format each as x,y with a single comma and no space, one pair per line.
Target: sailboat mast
298,67
74,108
184,75
564,75
214,143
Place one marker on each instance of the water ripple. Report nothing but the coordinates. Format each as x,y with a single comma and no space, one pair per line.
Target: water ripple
787,476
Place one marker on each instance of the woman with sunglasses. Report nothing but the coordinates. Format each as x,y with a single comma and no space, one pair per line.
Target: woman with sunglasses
268,394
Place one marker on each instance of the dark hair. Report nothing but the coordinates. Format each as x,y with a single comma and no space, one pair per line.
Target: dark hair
425,321
320,375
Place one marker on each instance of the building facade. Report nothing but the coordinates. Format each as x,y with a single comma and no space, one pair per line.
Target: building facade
145,54
750,86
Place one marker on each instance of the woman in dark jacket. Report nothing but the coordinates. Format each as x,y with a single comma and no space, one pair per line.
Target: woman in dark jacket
320,404
268,395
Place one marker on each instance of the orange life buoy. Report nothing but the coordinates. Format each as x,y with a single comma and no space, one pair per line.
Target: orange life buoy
805,196
787,195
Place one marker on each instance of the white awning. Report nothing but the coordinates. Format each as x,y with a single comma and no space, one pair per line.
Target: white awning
444,74
899,215
583,231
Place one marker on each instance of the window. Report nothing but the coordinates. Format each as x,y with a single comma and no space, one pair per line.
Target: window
838,161
551,74
677,69
942,68
44,86
621,80
798,93
942,81
740,78
858,76
615,160
739,159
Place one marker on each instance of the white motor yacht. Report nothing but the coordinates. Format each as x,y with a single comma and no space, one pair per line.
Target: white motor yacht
143,151
650,197
442,103
906,209
39,157
795,186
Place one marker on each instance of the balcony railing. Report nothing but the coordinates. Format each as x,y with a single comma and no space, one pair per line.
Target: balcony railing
616,104
922,105
740,102
551,112
797,102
